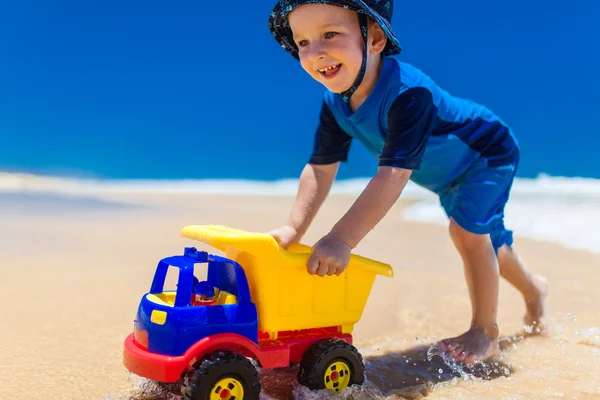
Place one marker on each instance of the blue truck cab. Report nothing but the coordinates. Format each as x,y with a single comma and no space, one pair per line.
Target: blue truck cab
168,322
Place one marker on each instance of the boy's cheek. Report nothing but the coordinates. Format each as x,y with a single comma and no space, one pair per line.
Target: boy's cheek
307,67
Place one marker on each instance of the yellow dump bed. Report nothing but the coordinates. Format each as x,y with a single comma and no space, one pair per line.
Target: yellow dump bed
286,295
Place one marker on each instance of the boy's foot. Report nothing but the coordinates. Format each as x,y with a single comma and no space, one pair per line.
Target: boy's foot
535,319
473,345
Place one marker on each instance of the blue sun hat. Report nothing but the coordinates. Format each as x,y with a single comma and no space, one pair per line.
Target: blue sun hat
378,10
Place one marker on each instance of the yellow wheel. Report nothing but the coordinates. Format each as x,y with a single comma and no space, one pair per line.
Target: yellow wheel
222,376
337,376
332,364
227,389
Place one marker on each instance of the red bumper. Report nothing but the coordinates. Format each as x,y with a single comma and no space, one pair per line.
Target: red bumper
155,367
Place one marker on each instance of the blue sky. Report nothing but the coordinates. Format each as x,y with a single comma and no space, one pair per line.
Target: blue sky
195,89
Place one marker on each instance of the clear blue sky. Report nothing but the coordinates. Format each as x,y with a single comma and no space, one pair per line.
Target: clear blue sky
194,89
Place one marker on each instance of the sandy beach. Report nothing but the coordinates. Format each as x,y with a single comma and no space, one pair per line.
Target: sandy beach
73,271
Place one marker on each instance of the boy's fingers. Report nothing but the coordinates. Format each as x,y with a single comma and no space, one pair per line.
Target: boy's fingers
339,266
323,268
313,264
334,266
340,269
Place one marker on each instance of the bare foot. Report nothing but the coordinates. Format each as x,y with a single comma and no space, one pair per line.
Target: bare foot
535,319
473,345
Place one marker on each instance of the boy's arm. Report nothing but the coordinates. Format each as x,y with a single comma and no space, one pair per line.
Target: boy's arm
331,146
410,122
380,194
314,186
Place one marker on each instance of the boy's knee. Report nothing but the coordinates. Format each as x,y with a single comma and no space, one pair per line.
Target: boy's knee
465,240
506,252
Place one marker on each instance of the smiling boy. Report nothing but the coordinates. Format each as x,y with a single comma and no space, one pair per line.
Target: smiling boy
453,147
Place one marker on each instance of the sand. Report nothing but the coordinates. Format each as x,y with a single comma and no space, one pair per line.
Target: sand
73,271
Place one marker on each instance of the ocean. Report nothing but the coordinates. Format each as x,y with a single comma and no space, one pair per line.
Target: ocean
148,106
557,209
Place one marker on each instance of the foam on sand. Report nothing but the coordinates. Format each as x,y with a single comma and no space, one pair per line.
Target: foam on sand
558,209
26,183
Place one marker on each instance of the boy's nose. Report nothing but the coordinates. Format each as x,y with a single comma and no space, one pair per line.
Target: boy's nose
316,52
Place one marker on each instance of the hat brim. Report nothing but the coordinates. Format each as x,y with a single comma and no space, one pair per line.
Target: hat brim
282,32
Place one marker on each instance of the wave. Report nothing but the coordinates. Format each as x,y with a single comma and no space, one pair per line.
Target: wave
556,209
559,209
19,182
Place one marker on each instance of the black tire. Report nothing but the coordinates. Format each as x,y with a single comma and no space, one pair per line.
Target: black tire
320,356
201,381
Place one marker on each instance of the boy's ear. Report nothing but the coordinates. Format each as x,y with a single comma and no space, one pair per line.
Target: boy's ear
377,37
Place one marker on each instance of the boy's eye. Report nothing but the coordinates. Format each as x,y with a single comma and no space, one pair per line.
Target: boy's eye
303,43
329,35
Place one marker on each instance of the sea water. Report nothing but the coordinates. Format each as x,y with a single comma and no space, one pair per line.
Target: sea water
558,209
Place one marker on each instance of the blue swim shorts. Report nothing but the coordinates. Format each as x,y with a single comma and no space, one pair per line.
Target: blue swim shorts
477,200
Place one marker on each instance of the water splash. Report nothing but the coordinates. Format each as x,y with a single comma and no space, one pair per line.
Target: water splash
350,393
590,337
411,373
468,372
144,389
449,361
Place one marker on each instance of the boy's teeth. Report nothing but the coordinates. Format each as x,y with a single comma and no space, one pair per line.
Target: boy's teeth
328,68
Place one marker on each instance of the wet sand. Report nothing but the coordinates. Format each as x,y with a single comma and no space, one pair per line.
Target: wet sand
73,271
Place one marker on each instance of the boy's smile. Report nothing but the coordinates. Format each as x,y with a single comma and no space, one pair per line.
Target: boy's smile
330,44
330,71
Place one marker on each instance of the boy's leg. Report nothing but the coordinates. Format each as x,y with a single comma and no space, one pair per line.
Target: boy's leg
476,210
480,341
533,287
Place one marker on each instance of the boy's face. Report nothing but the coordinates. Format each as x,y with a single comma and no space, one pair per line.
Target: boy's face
330,44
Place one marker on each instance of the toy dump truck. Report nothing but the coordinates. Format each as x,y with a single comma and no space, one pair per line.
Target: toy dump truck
258,306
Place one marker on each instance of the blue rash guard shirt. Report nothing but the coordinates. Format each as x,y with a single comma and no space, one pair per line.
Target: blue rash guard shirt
408,121
455,147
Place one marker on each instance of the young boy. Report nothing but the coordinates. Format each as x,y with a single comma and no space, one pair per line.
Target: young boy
456,148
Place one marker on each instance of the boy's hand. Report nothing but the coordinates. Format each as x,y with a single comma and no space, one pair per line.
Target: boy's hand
330,255
285,235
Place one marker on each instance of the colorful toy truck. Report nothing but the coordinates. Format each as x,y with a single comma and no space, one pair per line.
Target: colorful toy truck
257,307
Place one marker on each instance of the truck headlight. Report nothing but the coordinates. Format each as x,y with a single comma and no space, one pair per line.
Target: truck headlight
158,317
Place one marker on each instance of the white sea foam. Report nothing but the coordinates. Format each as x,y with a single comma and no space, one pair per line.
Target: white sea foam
562,210
24,183
556,209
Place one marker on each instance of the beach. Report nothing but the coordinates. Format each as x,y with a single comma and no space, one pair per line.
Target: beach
75,267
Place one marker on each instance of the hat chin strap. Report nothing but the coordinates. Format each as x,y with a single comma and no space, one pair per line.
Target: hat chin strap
363,22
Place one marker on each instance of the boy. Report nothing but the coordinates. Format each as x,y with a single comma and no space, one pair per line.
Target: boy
456,148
